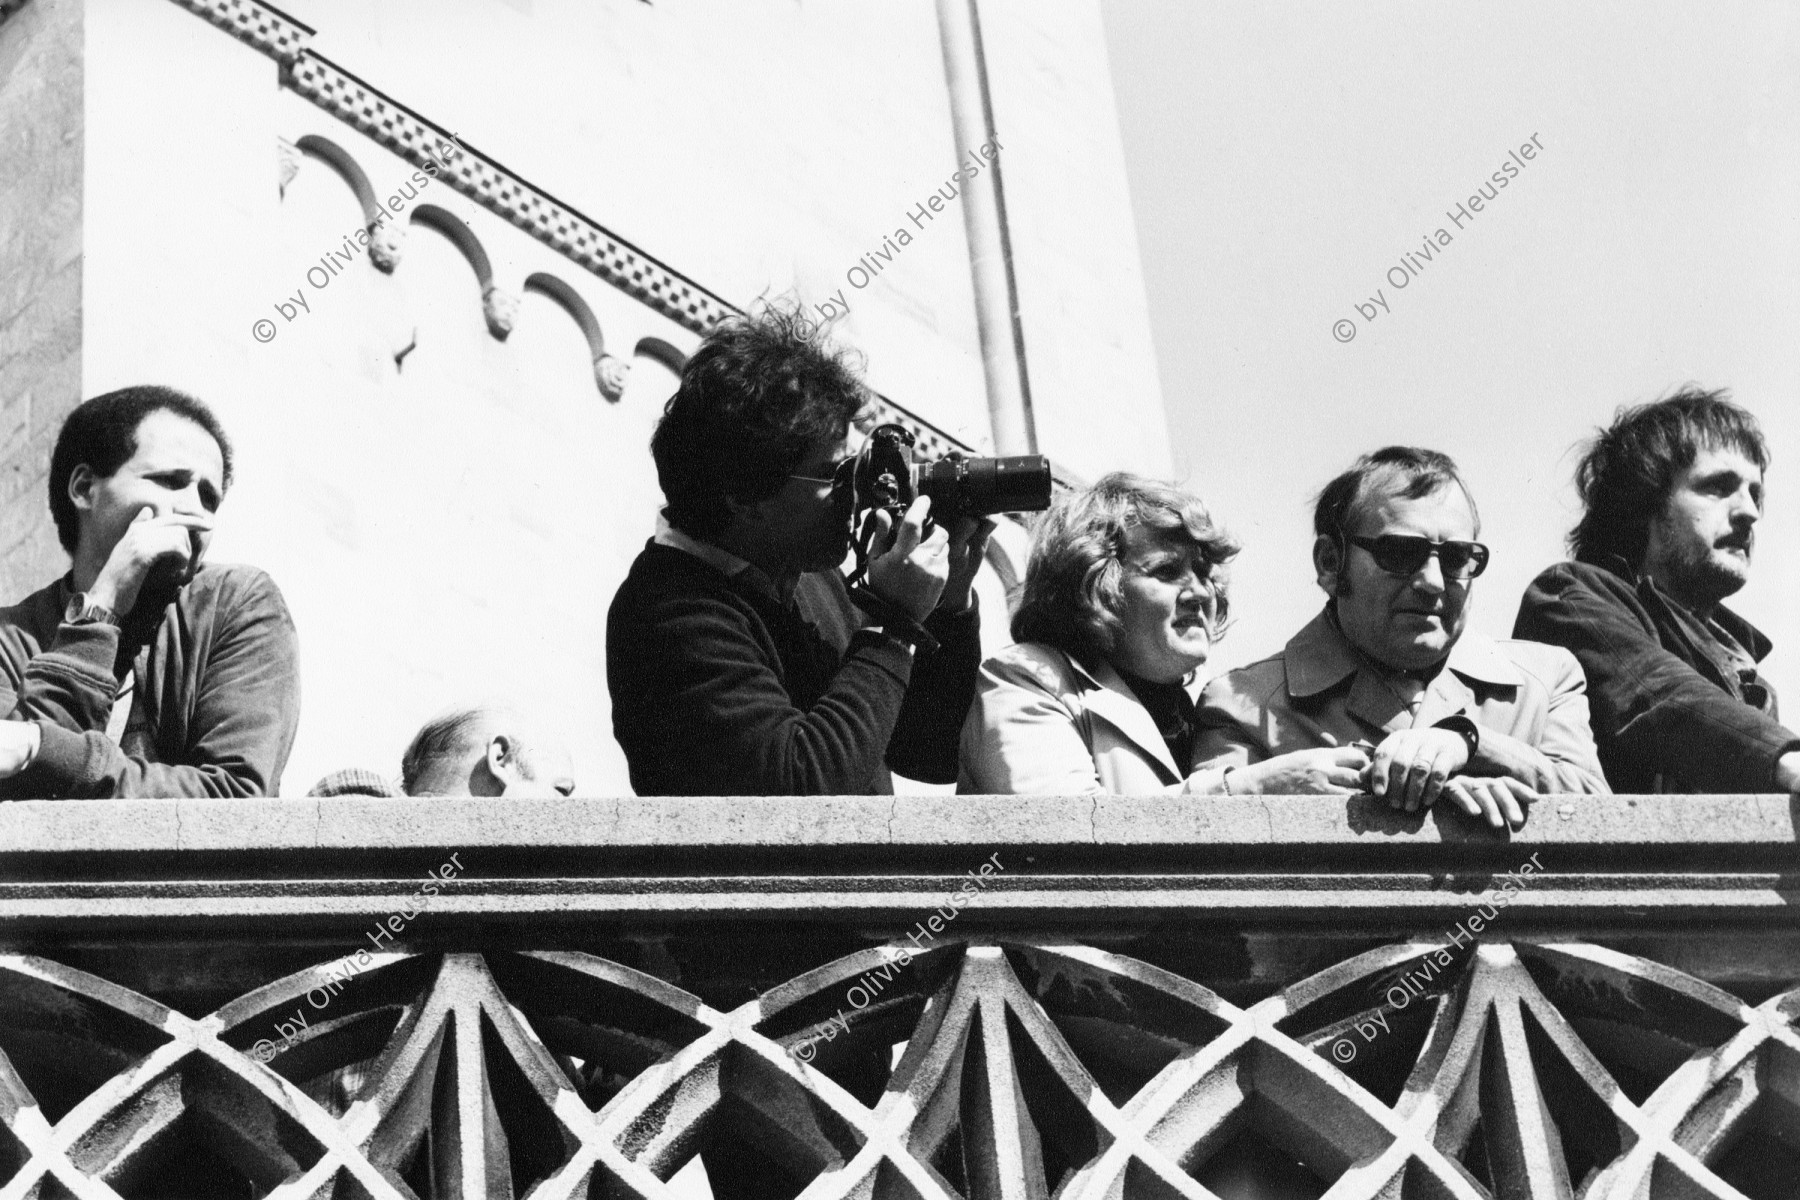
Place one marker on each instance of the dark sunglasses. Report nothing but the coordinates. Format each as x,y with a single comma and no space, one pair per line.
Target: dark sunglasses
1405,554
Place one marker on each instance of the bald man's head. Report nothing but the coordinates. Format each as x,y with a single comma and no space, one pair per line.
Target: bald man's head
485,750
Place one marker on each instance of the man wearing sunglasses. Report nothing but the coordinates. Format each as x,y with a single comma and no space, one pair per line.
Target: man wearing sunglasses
1672,492
1385,691
733,660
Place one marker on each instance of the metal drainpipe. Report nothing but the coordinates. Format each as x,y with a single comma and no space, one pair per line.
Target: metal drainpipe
984,219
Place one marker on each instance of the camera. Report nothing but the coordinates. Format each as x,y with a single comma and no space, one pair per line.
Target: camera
885,476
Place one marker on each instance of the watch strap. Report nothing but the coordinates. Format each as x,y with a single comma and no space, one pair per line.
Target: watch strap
892,621
1459,723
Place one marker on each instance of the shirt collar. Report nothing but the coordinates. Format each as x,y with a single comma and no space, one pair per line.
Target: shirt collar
1752,639
1747,635
1318,658
719,558
724,561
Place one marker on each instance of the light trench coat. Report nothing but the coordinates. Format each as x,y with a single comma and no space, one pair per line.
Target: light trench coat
1043,724
1529,701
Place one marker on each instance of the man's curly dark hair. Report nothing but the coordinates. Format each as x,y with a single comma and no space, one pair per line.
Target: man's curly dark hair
762,390
1628,468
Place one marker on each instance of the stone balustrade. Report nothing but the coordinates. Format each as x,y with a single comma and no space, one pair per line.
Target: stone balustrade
978,997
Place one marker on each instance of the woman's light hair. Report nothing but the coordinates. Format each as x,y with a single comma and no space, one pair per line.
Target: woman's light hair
1073,595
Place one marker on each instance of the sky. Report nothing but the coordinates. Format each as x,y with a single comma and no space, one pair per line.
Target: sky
1284,157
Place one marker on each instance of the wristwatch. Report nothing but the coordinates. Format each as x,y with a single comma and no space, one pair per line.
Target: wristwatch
82,611
1470,732
909,633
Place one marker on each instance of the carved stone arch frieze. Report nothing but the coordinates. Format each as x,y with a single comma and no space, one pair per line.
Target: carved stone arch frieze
662,352
345,166
936,1070
340,160
287,164
610,374
499,307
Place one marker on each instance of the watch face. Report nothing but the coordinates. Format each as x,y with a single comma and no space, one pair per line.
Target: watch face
80,610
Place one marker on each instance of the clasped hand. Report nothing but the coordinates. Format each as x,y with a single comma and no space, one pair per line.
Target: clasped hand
1410,769
918,573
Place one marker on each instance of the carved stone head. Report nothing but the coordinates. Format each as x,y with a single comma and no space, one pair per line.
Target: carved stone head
387,242
501,308
612,375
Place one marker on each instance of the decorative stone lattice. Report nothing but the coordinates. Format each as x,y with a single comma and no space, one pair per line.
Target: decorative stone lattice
960,1070
260,25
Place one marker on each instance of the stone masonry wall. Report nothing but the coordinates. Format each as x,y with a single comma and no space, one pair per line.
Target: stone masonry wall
41,142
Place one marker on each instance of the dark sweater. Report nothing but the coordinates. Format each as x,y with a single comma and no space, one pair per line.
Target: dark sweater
720,689
1671,711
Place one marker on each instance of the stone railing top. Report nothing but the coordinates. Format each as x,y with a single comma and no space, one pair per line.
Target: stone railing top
1213,829
1065,862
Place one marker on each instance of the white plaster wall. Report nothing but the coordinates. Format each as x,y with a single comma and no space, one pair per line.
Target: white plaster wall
1096,396
758,147
451,527
455,525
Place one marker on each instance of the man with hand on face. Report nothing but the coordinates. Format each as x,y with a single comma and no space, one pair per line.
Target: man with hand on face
1673,491
145,671
1385,691
722,682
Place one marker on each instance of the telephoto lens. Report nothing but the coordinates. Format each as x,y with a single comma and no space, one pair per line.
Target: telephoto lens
981,487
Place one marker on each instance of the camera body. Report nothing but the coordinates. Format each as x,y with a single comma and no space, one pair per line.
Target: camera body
885,476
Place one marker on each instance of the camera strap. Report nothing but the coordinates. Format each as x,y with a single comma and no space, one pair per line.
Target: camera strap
893,622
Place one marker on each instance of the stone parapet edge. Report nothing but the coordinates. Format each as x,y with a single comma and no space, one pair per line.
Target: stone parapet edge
790,823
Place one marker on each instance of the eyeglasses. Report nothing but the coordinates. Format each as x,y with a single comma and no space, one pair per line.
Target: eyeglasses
840,471
1405,554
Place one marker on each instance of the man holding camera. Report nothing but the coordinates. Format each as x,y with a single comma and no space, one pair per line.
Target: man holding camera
145,671
722,682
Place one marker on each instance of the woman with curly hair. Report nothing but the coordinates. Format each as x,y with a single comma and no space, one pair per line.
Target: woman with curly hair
1124,594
